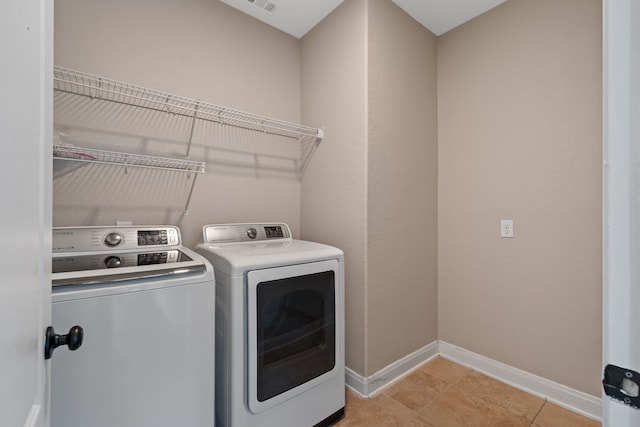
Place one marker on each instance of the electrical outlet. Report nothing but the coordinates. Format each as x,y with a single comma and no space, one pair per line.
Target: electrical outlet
506,228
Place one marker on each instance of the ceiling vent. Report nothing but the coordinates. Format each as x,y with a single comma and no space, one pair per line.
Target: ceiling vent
264,4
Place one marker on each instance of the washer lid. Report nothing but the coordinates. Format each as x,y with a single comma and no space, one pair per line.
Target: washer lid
98,268
101,255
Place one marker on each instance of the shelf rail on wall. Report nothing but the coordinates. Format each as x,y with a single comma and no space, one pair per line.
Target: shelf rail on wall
126,159
92,155
79,83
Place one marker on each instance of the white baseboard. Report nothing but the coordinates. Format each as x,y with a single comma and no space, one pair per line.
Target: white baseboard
574,400
368,387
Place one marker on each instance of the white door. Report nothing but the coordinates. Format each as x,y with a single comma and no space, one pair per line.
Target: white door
26,30
622,202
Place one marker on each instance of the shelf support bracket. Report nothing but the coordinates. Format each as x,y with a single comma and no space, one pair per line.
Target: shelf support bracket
193,184
193,126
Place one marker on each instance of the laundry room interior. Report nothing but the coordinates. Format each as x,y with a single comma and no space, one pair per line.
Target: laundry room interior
428,143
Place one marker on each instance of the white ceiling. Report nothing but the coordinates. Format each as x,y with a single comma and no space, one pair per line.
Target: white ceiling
440,16
297,17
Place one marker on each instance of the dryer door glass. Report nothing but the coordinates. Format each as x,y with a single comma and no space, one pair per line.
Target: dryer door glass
293,340
295,331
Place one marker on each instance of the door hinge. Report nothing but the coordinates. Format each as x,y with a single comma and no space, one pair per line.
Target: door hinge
622,385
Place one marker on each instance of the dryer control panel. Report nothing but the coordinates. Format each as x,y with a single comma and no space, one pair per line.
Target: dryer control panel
230,233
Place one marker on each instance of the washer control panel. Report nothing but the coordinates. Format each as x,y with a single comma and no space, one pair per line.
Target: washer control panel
88,239
230,233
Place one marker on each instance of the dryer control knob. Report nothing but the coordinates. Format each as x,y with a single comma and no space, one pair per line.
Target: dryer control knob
113,239
252,233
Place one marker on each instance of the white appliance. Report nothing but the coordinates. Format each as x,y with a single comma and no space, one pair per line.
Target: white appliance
146,305
279,327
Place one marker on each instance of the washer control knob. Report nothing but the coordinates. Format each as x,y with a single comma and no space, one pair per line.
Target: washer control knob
252,233
113,239
112,261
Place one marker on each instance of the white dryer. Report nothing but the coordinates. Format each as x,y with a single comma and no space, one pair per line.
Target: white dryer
279,327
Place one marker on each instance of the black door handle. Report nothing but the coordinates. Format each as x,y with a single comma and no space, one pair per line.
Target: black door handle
73,340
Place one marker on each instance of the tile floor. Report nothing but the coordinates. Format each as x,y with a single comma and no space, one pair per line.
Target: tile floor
443,394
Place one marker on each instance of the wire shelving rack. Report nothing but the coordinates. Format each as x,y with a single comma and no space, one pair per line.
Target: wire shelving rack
79,83
74,82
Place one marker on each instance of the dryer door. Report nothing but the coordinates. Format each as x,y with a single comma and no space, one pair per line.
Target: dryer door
293,339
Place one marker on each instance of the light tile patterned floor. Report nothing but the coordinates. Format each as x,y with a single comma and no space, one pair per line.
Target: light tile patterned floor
443,394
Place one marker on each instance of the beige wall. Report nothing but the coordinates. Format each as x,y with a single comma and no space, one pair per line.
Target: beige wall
194,48
518,134
369,76
333,200
401,187
519,110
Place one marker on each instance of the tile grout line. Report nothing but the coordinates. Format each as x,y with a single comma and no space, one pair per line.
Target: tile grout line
533,420
416,413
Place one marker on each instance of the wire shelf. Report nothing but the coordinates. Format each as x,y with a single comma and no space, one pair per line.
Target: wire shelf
79,83
74,153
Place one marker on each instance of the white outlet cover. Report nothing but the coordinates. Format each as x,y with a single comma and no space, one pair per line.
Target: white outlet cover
506,228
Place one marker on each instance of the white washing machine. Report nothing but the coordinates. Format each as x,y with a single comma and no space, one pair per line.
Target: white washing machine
146,305
279,327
